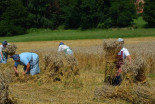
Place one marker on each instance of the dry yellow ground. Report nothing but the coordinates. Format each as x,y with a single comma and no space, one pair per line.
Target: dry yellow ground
33,93
27,46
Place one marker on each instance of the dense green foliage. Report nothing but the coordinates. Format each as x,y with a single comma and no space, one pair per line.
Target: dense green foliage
149,12
42,13
122,13
12,17
16,16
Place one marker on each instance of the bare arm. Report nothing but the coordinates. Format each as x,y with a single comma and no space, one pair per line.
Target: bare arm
27,68
59,49
15,69
129,58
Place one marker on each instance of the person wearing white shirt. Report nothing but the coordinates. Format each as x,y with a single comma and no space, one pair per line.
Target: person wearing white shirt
122,55
3,55
64,48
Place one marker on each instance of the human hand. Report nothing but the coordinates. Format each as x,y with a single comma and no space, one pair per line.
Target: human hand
24,73
16,71
119,70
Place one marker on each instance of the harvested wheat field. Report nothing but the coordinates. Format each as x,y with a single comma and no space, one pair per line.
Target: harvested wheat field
80,79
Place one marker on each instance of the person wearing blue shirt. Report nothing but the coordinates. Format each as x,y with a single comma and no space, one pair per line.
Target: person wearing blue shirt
29,60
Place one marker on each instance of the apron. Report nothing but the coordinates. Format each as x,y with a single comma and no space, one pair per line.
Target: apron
118,79
119,60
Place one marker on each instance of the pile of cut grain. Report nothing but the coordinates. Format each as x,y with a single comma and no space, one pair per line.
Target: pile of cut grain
60,66
10,49
4,91
111,49
137,67
135,94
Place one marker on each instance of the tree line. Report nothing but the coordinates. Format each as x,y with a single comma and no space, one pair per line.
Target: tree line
16,16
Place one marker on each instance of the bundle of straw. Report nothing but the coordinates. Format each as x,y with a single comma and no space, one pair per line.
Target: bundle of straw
61,66
10,49
111,49
135,94
110,72
137,67
4,91
47,60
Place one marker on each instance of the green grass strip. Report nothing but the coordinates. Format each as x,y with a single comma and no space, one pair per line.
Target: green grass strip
49,35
